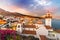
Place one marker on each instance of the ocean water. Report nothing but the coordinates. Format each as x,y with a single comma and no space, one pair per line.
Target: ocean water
56,23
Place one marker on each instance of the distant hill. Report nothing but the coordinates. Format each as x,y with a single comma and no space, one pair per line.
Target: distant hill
6,13
3,12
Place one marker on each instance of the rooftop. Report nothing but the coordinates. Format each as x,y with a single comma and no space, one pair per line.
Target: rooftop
29,26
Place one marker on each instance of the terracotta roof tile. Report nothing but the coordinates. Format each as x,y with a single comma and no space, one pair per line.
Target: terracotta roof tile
29,32
48,27
29,26
2,21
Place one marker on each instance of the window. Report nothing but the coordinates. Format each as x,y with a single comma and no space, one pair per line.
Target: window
18,26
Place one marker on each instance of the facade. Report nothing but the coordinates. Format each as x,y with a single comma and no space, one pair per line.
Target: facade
39,29
19,28
48,19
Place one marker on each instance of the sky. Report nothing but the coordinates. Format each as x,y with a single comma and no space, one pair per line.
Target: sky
32,7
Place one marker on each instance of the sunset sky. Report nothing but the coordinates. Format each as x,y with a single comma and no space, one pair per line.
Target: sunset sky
32,7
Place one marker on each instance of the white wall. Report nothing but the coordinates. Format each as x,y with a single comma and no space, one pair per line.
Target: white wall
58,35
19,29
42,31
48,21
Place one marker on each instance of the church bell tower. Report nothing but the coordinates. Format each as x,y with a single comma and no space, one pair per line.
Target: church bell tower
48,19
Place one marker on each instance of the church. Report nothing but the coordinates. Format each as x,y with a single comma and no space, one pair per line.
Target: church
39,29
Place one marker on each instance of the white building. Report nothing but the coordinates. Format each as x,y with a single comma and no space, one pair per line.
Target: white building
38,29
19,28
48,19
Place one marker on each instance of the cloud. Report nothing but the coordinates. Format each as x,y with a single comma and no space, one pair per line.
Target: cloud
18,9
43,2
51,9
19,6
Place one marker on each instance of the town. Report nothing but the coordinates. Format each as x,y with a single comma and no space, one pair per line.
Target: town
37,28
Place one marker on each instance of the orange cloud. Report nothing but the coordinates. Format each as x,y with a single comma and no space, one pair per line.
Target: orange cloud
56,17
51,9
17,9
